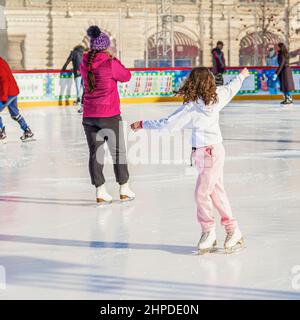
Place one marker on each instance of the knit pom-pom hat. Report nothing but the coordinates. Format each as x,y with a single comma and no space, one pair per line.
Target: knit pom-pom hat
98,39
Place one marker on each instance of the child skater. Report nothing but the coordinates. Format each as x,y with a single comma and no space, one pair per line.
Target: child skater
101,114
284,74
9,98
203,102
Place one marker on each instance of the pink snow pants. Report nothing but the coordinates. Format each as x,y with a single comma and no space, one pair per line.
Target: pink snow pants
210,191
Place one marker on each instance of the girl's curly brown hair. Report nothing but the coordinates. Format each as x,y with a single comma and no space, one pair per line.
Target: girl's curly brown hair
199,85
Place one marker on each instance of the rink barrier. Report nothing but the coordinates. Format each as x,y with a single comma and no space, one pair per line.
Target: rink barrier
57,88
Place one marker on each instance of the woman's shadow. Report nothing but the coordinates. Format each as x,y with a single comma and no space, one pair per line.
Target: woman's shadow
48,201
175,249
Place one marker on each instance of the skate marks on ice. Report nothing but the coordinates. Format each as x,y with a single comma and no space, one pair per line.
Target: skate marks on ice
48,201
29,140
174,249
113,234
63,202
7,141
58,278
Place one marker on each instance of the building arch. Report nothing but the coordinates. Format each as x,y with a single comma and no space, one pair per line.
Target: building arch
254,46
186,50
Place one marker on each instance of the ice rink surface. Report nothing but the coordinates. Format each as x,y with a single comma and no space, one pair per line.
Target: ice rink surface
55,243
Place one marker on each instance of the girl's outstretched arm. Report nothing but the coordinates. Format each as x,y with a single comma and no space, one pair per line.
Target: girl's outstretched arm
226,93
178,120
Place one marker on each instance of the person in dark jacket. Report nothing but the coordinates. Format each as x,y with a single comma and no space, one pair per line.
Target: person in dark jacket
218,63
76,57
9,92
284,74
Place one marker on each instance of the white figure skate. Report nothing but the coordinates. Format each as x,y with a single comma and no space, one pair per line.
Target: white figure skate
125,193
207,242
234,241
102,196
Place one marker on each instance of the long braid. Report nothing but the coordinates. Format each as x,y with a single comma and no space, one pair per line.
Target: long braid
90,75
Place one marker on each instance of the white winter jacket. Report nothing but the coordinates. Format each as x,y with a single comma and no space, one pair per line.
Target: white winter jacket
202,119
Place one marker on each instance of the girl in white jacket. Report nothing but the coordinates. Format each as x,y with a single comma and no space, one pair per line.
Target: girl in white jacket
203,102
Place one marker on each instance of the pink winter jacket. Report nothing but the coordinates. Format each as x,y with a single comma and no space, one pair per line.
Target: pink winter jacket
104,101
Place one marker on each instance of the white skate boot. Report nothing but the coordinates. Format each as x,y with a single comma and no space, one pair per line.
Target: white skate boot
125,193
234,241
102,196
207,242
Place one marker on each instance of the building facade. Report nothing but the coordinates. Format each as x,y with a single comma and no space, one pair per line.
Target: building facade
39,34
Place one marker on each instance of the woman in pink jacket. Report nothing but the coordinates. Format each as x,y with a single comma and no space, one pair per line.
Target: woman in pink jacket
101,113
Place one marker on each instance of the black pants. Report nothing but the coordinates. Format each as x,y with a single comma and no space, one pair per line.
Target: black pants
109,130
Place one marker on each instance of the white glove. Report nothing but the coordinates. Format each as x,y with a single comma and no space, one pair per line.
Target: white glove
275,76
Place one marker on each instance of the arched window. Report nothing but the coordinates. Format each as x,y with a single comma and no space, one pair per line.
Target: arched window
186,51
253,45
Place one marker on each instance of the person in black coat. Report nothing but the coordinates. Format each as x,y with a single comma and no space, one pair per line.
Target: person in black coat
218,63
76,57
284,74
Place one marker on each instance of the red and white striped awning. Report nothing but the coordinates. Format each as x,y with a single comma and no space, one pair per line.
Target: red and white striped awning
257,39
184,46
180,39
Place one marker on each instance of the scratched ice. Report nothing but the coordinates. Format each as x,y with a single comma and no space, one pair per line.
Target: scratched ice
56,244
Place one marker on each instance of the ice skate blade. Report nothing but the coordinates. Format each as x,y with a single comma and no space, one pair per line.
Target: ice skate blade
102,202
236,248
124,198
212,249
4,141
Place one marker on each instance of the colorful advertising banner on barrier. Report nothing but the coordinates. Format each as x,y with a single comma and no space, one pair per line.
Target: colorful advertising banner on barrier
46,86
60,86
